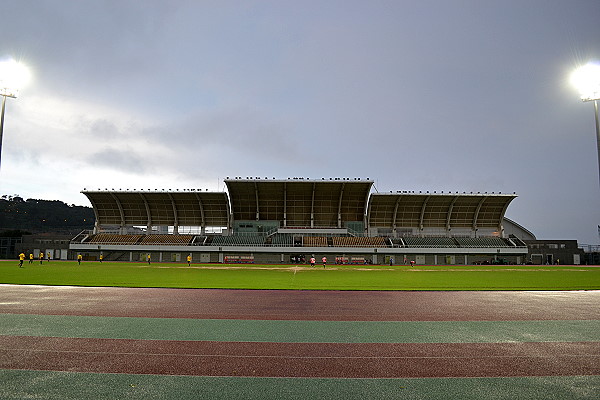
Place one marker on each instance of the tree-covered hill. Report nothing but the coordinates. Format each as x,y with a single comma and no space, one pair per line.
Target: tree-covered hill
39,216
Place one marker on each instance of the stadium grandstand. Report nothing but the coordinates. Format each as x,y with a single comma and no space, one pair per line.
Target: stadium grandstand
282,221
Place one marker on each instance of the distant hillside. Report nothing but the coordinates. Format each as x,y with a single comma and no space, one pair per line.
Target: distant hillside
38,216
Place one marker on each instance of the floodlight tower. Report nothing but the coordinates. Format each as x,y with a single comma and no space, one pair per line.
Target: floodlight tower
13,76
587,80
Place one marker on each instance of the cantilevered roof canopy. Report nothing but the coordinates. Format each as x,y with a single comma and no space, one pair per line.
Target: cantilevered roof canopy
299,202
189,208
436,210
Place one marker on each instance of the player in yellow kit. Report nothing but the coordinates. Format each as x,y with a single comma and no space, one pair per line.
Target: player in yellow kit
21,259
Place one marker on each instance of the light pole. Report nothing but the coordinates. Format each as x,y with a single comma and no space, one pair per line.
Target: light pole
13,76
587,80
4,96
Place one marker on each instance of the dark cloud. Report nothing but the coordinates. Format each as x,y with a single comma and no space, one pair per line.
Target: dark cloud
233,134
104,129
126,160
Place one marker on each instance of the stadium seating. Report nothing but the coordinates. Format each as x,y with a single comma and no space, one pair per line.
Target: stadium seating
429,242
238,241
116,239
110,238
287,240
314,241
282,239
268,217
350,241
482,242
181,240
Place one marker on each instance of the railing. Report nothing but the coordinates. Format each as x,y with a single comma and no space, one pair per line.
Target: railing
81,236
271,231
355,233
271,240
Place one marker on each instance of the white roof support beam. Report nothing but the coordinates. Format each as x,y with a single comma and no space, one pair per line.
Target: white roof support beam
229,218
120,206
339,213
175,216
449,215
422,217
366,210
202,218
149,215
500,227
476,215
284,204
312,207
97,223
394,226
257,204
368,215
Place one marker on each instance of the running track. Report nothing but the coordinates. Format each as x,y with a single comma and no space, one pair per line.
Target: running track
68,342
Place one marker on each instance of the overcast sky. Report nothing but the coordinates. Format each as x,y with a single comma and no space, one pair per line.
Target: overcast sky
416,95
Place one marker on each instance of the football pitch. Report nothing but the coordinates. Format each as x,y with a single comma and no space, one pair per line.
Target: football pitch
303,277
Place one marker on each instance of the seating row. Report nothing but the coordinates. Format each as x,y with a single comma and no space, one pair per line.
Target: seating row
346,241
482,242
428,242
314,241
238,241
307,241
452,242
111,238
167,239
282,240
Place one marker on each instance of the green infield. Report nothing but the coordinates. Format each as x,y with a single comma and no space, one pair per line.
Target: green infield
441,277
59,385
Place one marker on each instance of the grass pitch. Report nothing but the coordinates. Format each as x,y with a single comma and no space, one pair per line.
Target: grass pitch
440,277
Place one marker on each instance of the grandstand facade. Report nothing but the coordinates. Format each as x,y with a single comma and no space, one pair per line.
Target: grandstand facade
282,221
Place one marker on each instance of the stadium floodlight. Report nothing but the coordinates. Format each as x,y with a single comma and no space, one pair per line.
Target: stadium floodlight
13,76
586,80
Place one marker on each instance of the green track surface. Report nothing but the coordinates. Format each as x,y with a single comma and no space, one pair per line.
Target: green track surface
299,331
83,386
303,278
